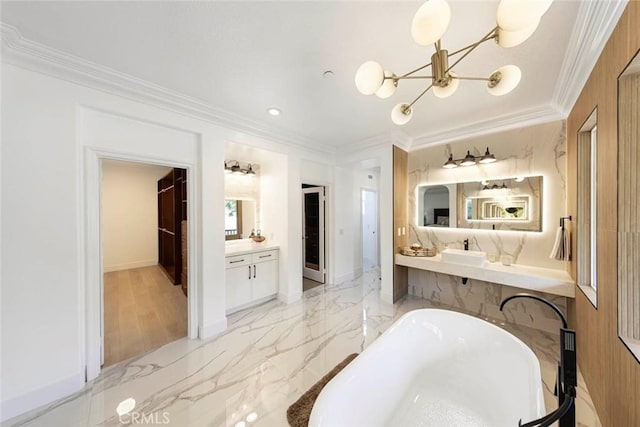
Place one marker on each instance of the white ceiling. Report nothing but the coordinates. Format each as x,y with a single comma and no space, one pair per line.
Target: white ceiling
244,57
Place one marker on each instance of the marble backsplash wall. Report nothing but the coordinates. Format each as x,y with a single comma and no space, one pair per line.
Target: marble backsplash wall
534,150
484,298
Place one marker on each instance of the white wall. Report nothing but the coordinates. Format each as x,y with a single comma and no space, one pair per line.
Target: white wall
53,135
130,214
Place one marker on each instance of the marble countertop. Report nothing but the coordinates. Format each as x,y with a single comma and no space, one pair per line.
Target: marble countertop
550,281
245,246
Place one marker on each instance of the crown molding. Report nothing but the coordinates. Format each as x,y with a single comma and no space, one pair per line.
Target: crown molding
24,53
593,27
518,119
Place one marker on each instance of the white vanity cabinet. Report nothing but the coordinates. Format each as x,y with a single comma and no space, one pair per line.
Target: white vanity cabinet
251,278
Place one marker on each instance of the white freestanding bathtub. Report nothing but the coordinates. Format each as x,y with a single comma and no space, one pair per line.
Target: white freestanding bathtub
435,368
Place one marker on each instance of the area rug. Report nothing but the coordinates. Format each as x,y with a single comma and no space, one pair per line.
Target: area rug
298,414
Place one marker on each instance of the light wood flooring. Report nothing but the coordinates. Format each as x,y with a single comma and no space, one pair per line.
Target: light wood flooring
309,284
143,310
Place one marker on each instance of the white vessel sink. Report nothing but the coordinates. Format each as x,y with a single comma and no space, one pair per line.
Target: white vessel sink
459,256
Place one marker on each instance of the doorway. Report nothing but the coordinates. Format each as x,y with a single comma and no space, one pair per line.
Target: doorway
369,211
144,296
313,236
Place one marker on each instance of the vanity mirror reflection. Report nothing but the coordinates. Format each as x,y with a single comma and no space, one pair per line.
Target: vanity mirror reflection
239,218
503,204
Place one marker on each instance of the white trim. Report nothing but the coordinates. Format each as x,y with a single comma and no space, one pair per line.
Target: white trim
632,345
590,293
41,396
518,119
40,58
319,275
92,260
594,24
212,329
129,265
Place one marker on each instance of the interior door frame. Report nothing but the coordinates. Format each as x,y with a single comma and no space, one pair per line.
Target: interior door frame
322,238
93,259
377,246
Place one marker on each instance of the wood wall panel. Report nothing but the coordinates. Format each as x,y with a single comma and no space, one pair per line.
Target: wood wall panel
400,220
611,372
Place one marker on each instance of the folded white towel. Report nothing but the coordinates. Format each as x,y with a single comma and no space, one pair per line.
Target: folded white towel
562,245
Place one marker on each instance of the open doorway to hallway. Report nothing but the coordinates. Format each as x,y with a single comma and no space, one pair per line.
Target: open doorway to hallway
313,236
369,214
144,247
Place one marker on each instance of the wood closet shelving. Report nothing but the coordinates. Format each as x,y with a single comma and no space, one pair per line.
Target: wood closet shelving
172,210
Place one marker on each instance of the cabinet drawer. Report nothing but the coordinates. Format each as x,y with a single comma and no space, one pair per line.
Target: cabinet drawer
264,256
237,261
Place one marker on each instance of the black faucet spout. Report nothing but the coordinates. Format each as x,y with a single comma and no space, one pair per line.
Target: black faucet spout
466,244
542,300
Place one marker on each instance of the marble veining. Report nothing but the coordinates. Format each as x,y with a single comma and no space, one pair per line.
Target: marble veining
268,357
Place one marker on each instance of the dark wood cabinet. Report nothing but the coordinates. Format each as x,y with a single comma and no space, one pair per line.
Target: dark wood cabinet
172,210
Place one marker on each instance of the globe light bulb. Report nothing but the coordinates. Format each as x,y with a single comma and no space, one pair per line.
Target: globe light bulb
389,86
369,77
430,22
401,114
449,89
504,80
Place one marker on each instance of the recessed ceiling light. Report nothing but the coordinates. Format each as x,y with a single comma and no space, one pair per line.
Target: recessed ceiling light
328,74
273,111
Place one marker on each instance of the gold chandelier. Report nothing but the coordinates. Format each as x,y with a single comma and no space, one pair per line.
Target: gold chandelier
517,21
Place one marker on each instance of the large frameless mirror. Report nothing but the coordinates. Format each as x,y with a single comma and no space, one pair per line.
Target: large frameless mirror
502,204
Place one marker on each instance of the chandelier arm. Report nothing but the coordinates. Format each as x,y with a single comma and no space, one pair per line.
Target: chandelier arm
413,71
471,78
471,49
411,77
493,36
419,96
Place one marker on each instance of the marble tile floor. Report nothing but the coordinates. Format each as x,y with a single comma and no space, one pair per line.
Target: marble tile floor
267,358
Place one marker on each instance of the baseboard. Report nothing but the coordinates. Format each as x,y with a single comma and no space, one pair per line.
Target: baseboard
129,265
290,298
42,396
212,329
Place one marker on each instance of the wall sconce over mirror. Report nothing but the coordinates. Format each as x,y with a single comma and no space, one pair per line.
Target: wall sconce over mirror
469,160
233,166
503,204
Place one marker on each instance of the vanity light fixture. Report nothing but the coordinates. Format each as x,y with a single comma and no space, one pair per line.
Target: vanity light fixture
469,160
517,20
236,169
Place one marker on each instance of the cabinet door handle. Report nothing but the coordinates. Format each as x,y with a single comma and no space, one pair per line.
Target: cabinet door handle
265,256
249,271
254,271
238,260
